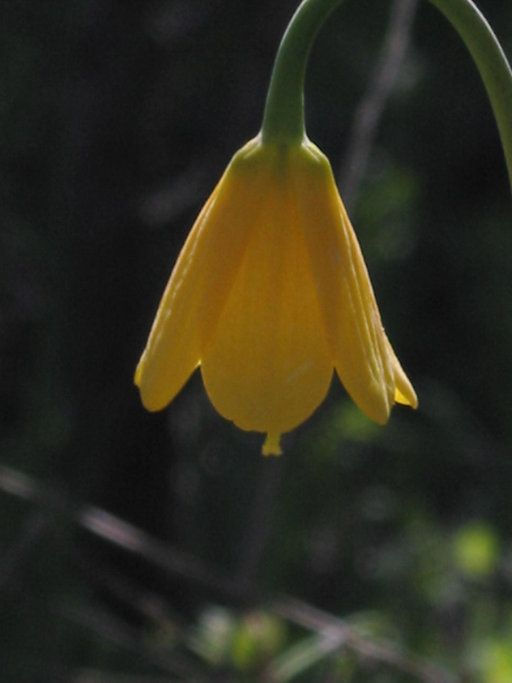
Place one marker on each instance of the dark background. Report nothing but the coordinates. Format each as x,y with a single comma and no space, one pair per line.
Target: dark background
116,120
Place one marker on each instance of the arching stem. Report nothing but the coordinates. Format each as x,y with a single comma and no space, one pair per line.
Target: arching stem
490,60
283,119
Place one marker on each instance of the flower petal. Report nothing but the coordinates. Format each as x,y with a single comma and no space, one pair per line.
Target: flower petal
362,355
404,392
197,289
268,365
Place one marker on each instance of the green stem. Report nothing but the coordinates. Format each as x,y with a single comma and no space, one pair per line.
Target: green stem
283,119
490,61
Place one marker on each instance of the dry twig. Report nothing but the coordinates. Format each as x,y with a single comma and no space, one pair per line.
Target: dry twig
334,633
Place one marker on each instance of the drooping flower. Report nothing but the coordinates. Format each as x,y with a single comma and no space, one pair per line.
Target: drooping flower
269,296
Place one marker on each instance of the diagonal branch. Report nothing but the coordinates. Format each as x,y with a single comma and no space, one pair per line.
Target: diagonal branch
369,112
333,633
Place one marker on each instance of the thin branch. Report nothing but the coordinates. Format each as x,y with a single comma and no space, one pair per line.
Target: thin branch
115,531
340,633
371,107
333,632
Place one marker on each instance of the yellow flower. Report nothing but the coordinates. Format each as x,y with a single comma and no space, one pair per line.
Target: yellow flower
269,295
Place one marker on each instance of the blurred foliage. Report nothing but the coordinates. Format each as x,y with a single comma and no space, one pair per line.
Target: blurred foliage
116,120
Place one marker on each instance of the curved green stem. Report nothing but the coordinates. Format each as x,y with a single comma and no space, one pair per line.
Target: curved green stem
490,61
283,119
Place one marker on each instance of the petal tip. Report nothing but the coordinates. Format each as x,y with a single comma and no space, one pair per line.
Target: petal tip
151,401
405,394
272,445
137,375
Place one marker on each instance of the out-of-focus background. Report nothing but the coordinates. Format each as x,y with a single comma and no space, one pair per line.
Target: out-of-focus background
150,548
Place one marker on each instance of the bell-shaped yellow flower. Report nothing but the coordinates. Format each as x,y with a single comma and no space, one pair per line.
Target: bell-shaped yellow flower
269,295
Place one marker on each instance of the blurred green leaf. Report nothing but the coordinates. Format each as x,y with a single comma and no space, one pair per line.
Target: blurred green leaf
476,549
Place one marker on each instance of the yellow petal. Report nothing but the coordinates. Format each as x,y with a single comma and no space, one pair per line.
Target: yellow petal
197,289
268,365
363,358
404,392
